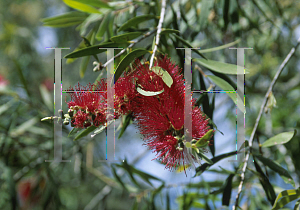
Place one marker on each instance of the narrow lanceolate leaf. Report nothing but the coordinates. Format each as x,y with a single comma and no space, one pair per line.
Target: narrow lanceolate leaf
205,158
297,205
277,168
227,190
85,132
131,170
74,131
92,50
95,3
225,86
135,21
124,38
224,68
103,26
203,167
244,145
168,31
83,44
119,180
24,127
6,106
225,46
127,60
188,45
166,77
80,6
268,188
148,93
64,20
285,197
83,65
206,6
281,138
204,140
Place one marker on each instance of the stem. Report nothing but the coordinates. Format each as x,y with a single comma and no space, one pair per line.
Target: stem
161,20
281,67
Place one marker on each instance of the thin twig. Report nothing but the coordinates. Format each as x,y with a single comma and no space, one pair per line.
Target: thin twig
100,66
284,63
161,20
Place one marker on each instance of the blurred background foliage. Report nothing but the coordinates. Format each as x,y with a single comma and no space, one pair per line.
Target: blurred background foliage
270,27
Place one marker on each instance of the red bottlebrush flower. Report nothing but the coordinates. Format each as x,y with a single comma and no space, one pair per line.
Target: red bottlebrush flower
88,104
125,94
84,98
167,150
80,119
161,118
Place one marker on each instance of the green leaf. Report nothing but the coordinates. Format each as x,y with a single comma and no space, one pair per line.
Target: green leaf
168,31
268,188
85,132
297,205
95,3
225,86
166,77
118,178
285,197
131,170
124,38
205,158
281,138
83,65
83,44
103,26
227,190
92,50
101,129
225,46
74,131
81,6
277,168
224,68
6,106
206,6
64,20
24,127
135,21
244,145
110,26
148,93
204,139
125,124
203,167
127,60
189,45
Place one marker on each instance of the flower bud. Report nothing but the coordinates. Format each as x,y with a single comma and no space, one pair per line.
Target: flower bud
86,124
71,111
66,121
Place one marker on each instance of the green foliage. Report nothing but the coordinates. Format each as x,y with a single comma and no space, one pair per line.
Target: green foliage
25,142
281,138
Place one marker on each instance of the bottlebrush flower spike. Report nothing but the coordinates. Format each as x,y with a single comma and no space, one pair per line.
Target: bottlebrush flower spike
88,104
125,94
160,118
